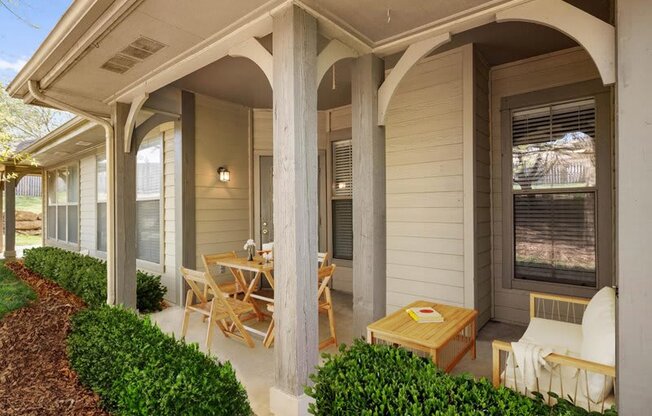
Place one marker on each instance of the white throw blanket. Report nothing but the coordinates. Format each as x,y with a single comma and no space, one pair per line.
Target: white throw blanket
530,359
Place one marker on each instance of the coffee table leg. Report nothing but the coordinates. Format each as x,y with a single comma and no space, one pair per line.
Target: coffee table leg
370,336
433,356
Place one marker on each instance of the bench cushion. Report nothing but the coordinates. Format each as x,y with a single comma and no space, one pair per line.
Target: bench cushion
599,340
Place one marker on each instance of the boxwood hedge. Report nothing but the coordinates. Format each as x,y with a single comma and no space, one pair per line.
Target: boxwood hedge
374,380
138,370
85,276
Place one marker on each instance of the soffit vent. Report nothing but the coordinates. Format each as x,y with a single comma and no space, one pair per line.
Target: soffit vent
137,51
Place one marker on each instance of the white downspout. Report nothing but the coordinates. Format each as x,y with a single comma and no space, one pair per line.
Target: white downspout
35,91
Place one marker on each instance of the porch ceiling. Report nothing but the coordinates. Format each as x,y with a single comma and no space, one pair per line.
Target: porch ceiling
104,28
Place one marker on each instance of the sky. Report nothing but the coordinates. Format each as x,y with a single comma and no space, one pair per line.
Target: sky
24,24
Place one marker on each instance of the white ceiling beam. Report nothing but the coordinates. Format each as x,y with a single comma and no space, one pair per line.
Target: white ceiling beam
135,107
412,55
253,50
596,36
333,52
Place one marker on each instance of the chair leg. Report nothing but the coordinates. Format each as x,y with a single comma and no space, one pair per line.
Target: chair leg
331,323
269,336
331,315
184,325
209,335
186,314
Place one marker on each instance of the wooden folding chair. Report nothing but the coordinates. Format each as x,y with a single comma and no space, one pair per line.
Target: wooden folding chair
325,305
322,259
230,288
222,310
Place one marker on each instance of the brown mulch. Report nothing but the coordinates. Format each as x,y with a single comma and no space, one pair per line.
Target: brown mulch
35,374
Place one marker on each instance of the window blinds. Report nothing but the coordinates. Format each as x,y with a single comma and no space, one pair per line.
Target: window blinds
554,200
342,169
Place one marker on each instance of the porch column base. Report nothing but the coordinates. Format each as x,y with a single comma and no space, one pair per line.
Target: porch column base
285,404
10,254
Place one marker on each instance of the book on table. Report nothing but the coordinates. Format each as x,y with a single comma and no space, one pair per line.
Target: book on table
425,314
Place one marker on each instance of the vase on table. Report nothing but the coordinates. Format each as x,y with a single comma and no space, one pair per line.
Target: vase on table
251,252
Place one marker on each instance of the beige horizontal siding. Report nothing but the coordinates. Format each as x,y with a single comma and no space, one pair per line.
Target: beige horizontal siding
425,184
222,209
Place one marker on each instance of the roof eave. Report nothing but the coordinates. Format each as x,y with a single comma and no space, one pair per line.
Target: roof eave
61,30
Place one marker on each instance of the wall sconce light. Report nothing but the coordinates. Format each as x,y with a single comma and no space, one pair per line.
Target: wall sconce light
224,174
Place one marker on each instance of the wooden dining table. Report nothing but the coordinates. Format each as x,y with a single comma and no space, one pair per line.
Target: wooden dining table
261,269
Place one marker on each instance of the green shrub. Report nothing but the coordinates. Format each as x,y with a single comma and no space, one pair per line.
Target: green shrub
379,380
85,276
138,370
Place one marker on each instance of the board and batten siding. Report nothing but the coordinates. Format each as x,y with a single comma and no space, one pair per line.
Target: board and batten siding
546,71
222,209
88,203
430,177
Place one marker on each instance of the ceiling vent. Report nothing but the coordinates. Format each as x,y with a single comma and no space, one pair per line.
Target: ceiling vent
137,51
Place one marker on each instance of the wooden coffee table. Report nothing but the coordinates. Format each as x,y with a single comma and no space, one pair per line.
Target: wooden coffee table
445,342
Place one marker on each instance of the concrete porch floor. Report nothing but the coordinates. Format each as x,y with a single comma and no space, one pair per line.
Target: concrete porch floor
254,367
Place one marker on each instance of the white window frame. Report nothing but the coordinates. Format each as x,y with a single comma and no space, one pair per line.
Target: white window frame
155,267
56,241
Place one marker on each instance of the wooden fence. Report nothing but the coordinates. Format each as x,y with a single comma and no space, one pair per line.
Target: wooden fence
29,186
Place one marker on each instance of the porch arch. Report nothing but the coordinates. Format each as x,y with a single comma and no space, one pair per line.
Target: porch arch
597,37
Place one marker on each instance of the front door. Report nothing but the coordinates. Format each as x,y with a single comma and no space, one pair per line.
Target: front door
266,181
266,199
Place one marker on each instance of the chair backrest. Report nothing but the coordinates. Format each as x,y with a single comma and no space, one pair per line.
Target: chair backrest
210,259
325,274
322,259
194,278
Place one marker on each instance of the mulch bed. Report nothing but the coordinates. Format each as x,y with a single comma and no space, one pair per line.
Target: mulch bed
35,374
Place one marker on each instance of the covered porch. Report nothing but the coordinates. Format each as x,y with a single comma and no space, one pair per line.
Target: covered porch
390,151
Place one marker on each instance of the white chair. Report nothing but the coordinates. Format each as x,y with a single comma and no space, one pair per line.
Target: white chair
583,358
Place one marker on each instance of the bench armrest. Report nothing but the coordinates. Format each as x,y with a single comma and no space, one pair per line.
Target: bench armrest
563,360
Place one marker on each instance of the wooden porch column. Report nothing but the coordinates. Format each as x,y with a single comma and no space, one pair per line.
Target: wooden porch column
369,229
10,219
184,186
123,182
295,207
634,150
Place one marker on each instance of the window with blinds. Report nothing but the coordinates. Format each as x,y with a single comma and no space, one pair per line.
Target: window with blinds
554,193
149,179
342,202
149,183
63,204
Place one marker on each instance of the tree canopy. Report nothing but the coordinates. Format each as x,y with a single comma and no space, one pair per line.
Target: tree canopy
21,124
